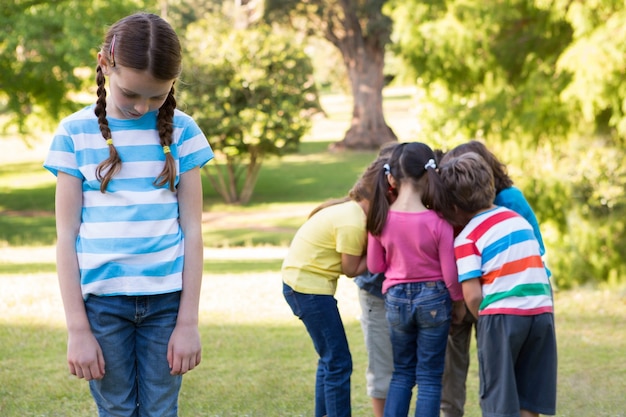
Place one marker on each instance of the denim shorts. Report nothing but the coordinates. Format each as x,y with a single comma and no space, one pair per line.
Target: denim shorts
134,333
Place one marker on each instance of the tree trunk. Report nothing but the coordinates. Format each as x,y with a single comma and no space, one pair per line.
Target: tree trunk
364,57
252,174
368,129
226,177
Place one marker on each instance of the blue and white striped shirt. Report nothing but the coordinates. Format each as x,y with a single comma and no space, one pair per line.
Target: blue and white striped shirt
130,241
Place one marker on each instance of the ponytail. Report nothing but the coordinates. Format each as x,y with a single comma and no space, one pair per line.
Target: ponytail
379,206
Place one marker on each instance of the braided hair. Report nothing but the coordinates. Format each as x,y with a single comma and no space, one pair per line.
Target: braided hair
144,42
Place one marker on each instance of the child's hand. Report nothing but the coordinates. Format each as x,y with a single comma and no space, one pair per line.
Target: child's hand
184,350
458,312
84,355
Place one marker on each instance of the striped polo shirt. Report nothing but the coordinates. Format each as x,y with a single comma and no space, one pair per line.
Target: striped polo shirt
499,248
130,241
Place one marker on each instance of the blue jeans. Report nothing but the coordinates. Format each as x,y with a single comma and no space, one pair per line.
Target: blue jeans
133,333
419,316
321,318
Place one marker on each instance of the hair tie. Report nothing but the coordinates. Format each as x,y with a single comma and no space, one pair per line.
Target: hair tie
166,149
430,164
387,169
112,51
109,141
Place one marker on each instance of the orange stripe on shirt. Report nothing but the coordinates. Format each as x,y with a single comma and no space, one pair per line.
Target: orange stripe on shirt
513,268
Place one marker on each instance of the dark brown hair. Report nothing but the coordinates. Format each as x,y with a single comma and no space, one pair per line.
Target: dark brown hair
500,173
143,42
410,161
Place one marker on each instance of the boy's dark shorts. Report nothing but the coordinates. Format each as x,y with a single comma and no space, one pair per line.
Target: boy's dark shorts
517,364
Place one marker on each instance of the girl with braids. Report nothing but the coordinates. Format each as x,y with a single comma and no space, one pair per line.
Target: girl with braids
128,212
414,247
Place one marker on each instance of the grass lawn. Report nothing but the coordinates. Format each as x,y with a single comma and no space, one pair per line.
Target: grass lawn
258,360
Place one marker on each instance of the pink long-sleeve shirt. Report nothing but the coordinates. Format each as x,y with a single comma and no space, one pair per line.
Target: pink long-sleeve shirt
415,247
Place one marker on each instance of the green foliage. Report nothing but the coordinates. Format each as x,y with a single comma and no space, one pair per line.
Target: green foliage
542,83
488,67
597,63
252,92
47,52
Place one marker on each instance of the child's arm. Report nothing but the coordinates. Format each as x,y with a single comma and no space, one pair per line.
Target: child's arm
84,355
352,265
184,349
375,255
473,295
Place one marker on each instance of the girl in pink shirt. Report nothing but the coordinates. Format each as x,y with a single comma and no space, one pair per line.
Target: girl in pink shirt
414,247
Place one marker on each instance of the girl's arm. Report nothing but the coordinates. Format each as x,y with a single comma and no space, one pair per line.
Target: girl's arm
184,349
376,261
352,265
84,355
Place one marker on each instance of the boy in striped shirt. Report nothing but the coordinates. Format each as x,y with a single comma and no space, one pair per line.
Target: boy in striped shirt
506,287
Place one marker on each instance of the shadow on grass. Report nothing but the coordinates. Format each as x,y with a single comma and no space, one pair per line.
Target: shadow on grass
28,229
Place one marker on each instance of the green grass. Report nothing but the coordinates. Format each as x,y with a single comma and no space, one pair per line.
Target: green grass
266,367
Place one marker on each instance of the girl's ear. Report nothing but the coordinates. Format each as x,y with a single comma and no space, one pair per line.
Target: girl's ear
392,181
104,64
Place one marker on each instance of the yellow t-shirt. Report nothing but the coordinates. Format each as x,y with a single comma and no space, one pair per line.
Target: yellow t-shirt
313,263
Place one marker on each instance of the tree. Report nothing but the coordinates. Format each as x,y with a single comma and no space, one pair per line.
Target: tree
542,83
251,91
360,30
596,62
490,66
47,52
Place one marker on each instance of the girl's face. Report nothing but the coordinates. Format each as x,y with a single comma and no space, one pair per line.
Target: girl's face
133,93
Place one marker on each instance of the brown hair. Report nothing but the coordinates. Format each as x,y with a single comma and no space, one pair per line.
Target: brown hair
500,174
468,179
410,161
363,189
143,42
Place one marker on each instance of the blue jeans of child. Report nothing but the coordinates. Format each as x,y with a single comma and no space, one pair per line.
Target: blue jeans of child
133,333
321,318
419,316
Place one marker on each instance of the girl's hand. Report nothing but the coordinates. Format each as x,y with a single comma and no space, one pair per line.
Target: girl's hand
84,355
184,350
